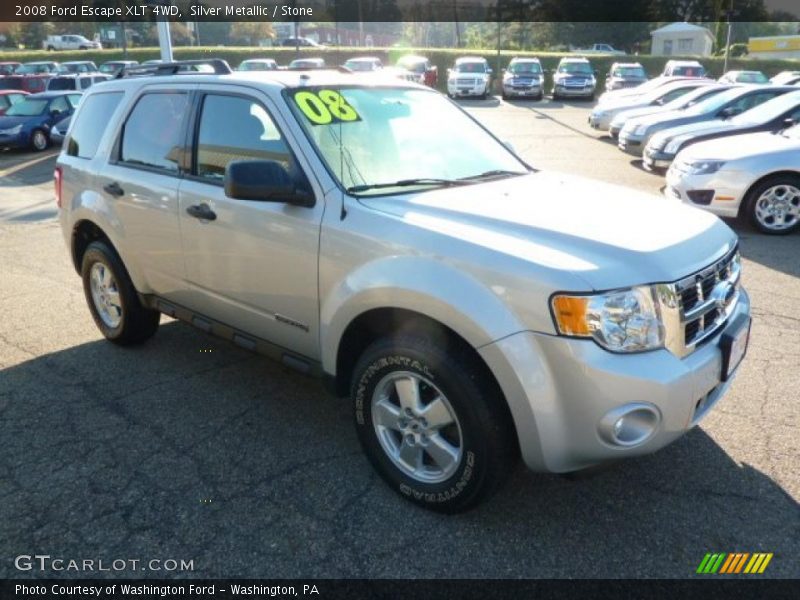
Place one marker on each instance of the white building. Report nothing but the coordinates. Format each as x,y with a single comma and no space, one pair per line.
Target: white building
682,39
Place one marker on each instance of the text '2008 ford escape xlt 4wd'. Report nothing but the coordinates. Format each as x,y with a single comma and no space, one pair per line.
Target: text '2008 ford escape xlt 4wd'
472,307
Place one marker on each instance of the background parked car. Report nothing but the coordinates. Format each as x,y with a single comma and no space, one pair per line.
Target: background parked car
75,82
426,72
744,77
303,42
113,67
523,77
644,88
683,68
70,42
78,66
258,64
10,97
786,78
469,76
59,131
773,115
625,75
27,124
636,133
8,68
682,102
364,63
574,77
602,115
756,175
307,63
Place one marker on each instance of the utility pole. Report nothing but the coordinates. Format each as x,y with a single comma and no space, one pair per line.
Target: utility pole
728,39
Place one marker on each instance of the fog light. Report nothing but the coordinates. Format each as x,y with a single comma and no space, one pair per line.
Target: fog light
629,425
702,197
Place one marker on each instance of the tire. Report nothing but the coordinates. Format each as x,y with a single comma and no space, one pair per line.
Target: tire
465,448
122,320
539,98
39,140
769,203
50,48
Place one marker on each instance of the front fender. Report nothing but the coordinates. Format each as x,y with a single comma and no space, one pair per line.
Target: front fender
418,284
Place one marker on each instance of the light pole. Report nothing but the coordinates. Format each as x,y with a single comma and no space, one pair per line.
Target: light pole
728,39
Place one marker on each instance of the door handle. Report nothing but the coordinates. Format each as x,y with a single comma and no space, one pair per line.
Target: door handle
201,211
114,189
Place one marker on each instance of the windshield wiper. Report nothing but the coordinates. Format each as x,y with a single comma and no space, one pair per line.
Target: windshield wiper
492,174
407,183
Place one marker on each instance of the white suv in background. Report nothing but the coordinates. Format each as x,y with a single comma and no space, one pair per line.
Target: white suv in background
469,76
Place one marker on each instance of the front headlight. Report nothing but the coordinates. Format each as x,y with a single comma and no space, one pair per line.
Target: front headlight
601,114
619,321
704,167
640,129
13,131
673,146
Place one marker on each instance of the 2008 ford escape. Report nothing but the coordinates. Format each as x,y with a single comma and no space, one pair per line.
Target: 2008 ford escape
370,232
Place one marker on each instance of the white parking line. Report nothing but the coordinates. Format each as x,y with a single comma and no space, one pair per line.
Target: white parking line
27,163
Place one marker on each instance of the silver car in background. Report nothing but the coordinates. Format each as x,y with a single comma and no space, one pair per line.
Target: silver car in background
623,75
756,175
602,115
523,77
680,103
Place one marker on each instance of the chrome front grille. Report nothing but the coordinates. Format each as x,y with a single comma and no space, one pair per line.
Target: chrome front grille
701,304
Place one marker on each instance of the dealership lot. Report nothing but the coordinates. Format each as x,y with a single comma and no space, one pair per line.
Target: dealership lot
189,448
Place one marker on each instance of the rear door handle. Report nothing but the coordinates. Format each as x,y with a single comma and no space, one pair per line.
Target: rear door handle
201,211
114,189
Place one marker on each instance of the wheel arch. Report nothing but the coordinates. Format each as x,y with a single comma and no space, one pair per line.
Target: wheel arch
763,178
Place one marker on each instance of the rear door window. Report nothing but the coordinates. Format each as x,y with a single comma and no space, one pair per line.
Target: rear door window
152,137
91,123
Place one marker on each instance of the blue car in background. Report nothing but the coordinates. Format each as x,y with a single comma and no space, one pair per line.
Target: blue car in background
27,124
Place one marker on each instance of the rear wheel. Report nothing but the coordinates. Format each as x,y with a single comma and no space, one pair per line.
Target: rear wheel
773,206
432,423
112,298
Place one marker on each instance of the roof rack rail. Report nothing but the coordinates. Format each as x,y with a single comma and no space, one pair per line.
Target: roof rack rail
220,67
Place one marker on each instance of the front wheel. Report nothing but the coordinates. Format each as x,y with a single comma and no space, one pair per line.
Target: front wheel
432,423
773,206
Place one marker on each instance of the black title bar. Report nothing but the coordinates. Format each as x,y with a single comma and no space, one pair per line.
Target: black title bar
399,10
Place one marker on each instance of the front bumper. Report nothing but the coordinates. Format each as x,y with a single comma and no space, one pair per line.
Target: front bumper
19,140
656,159
728,188
573,92
461,91
559,390
601,122
630,143
522,91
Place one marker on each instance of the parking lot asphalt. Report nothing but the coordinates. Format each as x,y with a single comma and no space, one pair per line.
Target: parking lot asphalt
189,448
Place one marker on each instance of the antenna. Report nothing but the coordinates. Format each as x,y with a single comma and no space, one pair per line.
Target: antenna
343,212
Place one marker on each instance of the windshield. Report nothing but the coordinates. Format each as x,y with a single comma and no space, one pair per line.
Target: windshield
637,72
109,68
751,77
257,65
373,136
689,71
361,65
575,68
31,69
715,102
771,109
694,97
62,83
525,67
7,69
412,64
28,108
471,67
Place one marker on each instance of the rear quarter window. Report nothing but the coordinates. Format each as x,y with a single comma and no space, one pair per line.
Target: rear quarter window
91,123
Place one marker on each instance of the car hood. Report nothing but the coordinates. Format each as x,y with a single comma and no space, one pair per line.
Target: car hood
607,235
9,122
741,146
635,113
702,128
663,117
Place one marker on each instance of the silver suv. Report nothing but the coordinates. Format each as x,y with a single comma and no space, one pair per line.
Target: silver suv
372,233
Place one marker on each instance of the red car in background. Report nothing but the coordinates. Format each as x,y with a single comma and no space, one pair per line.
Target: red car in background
9,98
8,68
30,77
424,70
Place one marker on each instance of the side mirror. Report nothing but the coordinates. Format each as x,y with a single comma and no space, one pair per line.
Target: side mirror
265,180
729,112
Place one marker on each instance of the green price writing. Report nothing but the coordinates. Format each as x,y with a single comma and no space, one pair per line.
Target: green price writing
322,107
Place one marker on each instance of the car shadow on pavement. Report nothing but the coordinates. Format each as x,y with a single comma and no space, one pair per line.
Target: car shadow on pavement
191,448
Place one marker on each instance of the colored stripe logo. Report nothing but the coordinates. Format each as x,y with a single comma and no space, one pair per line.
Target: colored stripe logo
734,563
